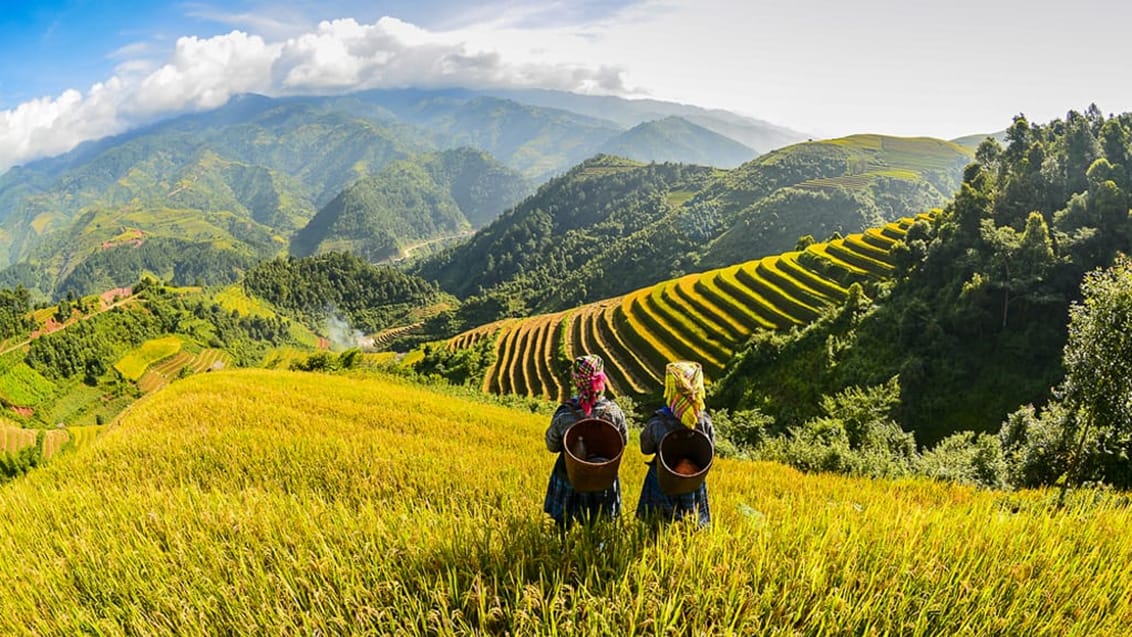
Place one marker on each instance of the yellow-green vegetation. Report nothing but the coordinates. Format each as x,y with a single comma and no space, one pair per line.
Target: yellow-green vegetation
160,374
233,297
20,384
703,316
85,434
12,439
44,220
260,502
676,198
79,403
378,359
385,337
412,358
53,441
282,357
134,364
210,359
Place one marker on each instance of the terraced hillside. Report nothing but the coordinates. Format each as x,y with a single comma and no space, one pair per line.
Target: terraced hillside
161,373
703,317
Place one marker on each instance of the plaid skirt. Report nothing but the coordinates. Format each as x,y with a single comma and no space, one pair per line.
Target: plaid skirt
566,505
656,505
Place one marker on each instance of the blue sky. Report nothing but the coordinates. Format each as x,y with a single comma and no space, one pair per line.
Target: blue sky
72,70
49,46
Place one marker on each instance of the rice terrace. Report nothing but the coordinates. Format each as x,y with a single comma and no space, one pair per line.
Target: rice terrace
236,503
621,318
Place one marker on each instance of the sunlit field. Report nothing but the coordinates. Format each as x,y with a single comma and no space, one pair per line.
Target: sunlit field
288,503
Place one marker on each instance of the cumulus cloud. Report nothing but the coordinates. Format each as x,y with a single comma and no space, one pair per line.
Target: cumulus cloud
338,56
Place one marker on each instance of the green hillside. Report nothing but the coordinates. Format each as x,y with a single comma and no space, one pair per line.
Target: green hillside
338,286
242,182
678,140
976,325
610,225
834,186
280,502
86,359
593,209
410,201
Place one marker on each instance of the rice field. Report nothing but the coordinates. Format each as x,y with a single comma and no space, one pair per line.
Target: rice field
264,502
133,365
235,298
705,317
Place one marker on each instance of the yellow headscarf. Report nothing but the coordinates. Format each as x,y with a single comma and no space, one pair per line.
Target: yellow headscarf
684,391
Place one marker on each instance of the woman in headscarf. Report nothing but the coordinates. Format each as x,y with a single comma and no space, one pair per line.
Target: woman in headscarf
563,503
684,407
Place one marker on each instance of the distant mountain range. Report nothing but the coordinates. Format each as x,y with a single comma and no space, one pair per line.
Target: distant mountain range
242,182
203,197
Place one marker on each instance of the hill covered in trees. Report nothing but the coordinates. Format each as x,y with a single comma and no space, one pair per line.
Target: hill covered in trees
675,139
611,225
976,324
417,200
339,285
239,184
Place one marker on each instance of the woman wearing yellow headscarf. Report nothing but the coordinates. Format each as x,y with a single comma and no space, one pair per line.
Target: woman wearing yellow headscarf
683,407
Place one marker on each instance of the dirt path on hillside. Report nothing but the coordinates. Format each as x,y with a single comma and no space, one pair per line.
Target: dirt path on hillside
407,251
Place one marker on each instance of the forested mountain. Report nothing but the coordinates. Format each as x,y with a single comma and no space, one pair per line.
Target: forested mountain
237,183
612,225
570,222
833,186
411,201
753,133
976,325
225,188
339,285
678,140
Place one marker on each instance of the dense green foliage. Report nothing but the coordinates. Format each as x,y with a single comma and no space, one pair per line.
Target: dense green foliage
976,324
15,305
179,262
103,357
338,285
412,201
611,225
464,366
568,223
245,178
1085,433
88,348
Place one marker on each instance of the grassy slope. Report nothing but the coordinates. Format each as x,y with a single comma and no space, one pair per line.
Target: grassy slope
261,502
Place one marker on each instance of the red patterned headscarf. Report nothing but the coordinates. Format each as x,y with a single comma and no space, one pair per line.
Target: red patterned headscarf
684,391
589,380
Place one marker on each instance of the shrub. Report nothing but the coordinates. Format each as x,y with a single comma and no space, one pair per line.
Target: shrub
1036,446
967,458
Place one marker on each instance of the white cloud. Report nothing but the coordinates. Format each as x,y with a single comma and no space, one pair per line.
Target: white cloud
819,65
338,56
203,74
